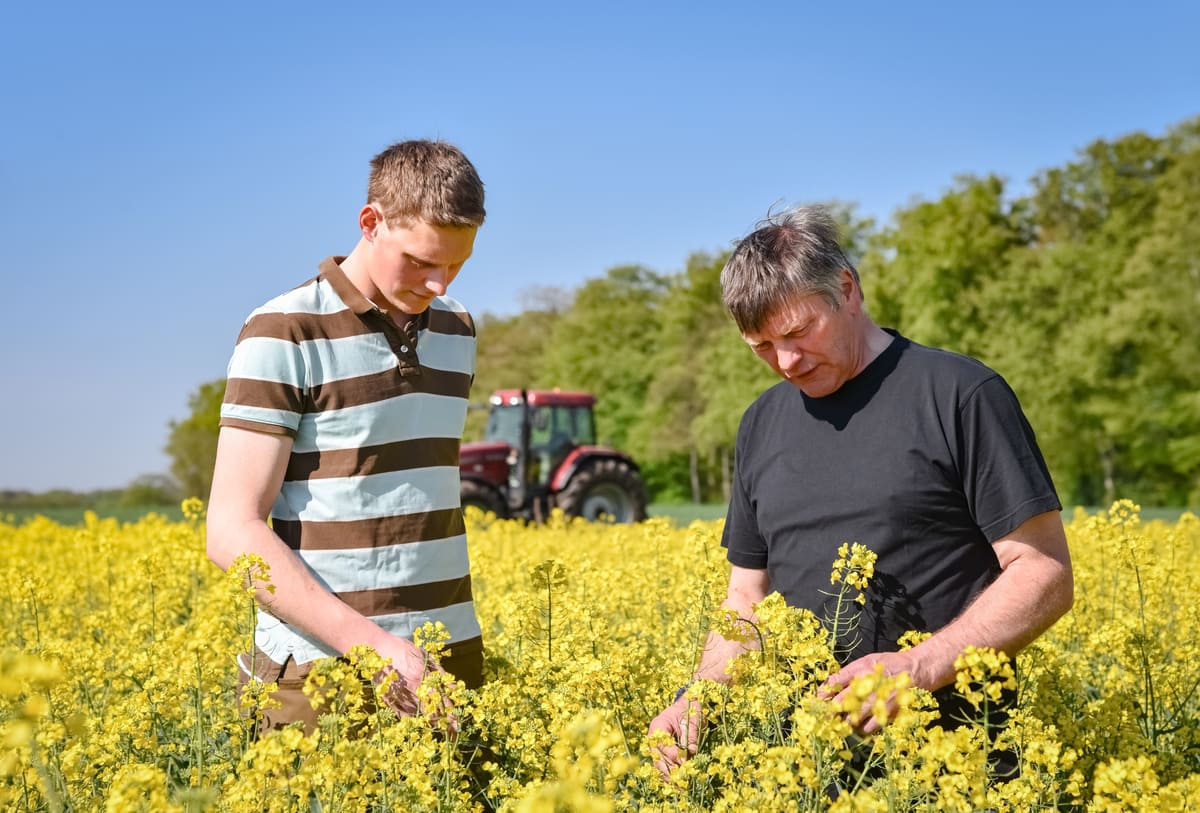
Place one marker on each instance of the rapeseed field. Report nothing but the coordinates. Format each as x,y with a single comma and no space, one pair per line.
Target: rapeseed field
117,685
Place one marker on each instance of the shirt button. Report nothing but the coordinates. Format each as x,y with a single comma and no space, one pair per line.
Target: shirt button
404,348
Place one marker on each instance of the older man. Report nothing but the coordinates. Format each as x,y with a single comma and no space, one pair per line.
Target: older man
920,454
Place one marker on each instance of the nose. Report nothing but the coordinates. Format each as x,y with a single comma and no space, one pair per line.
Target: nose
436,280
788,359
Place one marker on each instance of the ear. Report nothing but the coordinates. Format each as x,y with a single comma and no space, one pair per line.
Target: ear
851,293
369,220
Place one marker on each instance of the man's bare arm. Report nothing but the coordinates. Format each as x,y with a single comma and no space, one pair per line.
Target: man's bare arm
746,589
1034,589
680,719
246,480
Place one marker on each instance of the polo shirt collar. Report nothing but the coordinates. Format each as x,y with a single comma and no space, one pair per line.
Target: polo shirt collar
331,269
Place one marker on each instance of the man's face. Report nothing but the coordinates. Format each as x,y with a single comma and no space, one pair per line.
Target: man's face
807,342
414,262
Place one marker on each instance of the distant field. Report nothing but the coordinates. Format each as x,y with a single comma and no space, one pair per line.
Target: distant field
74,516
1147,514
685,513
680,514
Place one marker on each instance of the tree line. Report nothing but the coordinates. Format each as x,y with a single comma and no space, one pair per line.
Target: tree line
1083,293
148,490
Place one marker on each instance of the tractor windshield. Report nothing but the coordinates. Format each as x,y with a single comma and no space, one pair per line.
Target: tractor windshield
548,426
504,424
558,426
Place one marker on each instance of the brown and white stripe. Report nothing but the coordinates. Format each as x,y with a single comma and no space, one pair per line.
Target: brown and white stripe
370,499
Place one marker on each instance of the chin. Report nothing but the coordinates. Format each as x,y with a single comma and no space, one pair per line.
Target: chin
814,390
413,307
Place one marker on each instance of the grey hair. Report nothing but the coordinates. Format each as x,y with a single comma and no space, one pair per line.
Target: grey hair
790,254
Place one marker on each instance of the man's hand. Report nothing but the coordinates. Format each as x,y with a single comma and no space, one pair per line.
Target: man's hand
837,686
681,720
1034,588
396,692
408,668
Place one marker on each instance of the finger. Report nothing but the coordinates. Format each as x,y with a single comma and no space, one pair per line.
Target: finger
693,736
866,711
668,760
668,754
833,685
443,712
400,698
403,706
875,724
384,673
397,681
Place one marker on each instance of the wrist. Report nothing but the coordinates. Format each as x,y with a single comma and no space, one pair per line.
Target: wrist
931,664
361,631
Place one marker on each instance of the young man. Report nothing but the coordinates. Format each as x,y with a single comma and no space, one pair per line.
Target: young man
343,414
922,455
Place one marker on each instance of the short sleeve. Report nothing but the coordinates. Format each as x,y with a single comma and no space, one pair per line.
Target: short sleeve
744,544
1005,478
267,378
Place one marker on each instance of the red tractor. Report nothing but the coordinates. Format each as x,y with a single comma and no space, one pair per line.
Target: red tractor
540,452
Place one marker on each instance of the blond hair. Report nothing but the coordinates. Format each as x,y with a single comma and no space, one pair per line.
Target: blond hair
431,181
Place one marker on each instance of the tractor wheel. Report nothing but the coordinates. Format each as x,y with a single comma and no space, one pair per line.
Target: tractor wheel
606,489
483,497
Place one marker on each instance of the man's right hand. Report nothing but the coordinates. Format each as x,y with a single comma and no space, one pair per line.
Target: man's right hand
681,720
247,478
408,668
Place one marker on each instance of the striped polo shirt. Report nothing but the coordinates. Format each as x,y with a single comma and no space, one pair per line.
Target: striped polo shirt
370,499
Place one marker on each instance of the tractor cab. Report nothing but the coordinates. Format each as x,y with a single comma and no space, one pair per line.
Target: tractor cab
540,451
558,423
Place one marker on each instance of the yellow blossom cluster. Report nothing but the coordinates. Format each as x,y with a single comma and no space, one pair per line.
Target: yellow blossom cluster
118,675
854,567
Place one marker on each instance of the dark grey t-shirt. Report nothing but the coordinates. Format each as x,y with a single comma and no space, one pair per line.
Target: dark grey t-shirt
925,457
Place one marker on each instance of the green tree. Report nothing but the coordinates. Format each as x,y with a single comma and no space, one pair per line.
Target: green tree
604,344
509,351
192,442
1071,321
1090,217
690,315
731,377
926,274
150,489
1154,400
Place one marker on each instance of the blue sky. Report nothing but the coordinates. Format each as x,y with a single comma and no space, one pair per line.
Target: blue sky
167,168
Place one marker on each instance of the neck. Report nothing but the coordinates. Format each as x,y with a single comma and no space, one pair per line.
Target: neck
355,267
878,340
875,341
